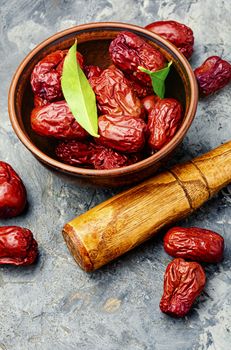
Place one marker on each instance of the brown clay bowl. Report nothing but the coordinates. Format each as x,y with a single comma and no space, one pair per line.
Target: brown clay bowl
93,42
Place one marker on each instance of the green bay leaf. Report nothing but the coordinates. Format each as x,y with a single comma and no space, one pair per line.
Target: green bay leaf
78,93
158,79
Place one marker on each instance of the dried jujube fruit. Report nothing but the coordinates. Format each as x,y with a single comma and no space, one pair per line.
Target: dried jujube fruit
122,133
140,90
149,102
92,155
17,246
183,283
75,153
115,95
13,196
56,120
106,158
177,33
128,51
92,71
46,75
213,75
194,243
163,121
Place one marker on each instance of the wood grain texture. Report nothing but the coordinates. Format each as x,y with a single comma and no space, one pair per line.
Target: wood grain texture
121,223
216,167
115,226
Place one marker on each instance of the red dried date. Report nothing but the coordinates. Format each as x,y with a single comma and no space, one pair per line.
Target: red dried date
75,153
114,94
128,51
140,90
163,122
79,58
91,155
92,71
12,192
56,120
46,75
183,282
149,102
177,33
39,102
106,158
45,80
195,244
213,75
123,133
17,246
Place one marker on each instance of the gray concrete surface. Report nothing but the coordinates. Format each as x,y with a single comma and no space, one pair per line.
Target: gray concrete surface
55,305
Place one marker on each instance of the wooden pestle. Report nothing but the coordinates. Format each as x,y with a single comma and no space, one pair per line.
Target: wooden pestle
121,223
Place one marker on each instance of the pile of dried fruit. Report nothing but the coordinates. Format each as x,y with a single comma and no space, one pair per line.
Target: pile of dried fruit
128,131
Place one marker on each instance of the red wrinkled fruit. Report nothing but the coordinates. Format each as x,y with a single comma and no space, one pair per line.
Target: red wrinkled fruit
12,192
79,58
183,282
46,75
91,155
213,75
114,94
163,122
128,51
39,102
123,133
140,90
92,71
149,102
106,158
194,243
177,33
17,246
56,120
75,153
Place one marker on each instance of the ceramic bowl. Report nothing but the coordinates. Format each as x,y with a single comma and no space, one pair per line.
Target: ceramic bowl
93,43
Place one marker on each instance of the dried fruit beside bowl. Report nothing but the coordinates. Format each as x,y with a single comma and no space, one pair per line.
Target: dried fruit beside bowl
17,246
213,75
13,195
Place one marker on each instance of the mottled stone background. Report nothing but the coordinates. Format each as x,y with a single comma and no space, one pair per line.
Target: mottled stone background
55,305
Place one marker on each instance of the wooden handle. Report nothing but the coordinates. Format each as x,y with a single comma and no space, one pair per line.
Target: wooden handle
130,218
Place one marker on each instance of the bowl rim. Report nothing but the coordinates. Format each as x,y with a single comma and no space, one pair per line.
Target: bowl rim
155,158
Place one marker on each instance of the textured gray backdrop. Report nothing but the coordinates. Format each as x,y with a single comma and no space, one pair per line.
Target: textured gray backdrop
55,305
